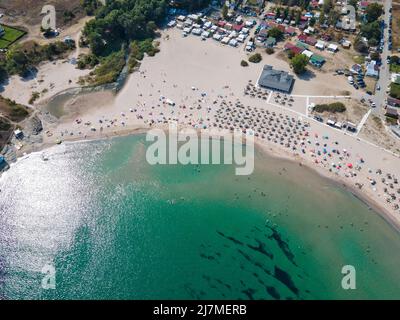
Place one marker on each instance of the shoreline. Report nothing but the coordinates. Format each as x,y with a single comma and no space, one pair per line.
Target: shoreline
265,149
337,181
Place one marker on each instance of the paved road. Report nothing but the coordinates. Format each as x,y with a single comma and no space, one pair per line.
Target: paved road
384,75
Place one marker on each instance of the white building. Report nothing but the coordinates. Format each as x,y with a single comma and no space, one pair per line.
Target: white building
395,78
332,47
308,53
320,45
225,40
233,43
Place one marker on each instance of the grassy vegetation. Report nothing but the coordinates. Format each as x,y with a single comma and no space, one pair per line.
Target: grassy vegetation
109,69
111,66
35,95
5,125
377,121
396,25
138,49
11,35
87,61
12,110
332,107
6,129
395,68
22,58
359,59
395,90
391,121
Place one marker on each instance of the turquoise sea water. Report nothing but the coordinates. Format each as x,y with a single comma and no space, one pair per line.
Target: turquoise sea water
115,227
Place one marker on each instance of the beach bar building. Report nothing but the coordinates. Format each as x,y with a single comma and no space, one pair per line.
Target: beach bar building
275,79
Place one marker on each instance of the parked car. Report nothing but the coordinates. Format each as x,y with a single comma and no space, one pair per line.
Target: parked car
318,118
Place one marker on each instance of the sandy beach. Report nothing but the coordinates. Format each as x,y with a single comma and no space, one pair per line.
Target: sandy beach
209,88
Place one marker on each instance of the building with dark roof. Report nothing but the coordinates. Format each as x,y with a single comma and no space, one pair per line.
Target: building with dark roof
276,79
391,112
393,102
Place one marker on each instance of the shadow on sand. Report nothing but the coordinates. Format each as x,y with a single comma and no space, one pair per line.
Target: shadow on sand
307,76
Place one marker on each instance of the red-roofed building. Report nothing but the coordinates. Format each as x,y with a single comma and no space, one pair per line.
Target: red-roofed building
221,24
314,4
296,50
326,37
270,15
289,46
363,5
290,30
237,27
281,27
302,37
311,41
393,102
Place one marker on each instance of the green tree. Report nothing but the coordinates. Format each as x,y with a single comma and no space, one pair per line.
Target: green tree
278,12
298,17
255,58
321,19
299,63
373,11
394,60
276,33
371,30
3,74
327,6
224,11
360,46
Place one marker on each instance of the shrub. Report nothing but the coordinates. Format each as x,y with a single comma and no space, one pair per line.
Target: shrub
270,50
332,107
35,95
276,33
87,61
244,63
109,69
5,125
255,58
